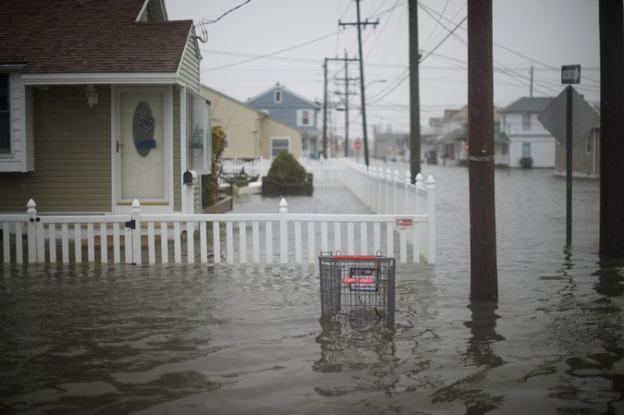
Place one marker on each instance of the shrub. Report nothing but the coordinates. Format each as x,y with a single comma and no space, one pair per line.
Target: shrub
287,177
210,183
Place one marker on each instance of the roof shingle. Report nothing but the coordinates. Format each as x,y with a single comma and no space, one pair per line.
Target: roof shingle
88,36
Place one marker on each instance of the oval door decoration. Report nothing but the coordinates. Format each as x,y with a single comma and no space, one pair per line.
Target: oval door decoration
143,129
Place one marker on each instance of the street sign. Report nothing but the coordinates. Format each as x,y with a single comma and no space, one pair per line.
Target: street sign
553,118
358,144
571,74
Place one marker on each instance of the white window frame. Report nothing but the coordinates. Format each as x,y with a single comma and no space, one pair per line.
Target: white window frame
526,121
21,154
589,143
301,118
274,139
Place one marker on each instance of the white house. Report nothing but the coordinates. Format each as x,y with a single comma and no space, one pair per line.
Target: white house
530,144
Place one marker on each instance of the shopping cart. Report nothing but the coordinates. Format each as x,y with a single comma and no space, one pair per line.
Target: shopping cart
358,286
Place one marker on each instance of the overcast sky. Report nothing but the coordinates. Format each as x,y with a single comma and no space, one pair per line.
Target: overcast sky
262,42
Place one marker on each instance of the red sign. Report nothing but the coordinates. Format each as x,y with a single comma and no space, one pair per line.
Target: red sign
403,222
358,144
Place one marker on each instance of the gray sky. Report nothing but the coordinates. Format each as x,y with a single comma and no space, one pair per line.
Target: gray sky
267,41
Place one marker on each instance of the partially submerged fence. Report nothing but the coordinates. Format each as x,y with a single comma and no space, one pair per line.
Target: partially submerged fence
403,227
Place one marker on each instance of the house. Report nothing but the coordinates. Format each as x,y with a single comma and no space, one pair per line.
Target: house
453,145
585,157
99,105
530,144
251,133
281,103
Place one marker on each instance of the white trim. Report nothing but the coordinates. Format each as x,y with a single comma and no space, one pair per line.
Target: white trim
289,139
142,11
133,78
183,150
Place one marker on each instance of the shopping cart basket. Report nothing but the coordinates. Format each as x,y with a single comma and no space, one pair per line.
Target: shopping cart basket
358,286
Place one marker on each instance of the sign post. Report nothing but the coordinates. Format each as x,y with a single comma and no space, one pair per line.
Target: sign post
569,118
357,145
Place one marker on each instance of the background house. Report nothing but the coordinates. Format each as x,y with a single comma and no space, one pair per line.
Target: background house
251,133
585,157
99,106
452,140
283,104
528,138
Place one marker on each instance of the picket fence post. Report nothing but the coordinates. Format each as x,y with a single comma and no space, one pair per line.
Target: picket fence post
135,218
431,214
283,210
32,231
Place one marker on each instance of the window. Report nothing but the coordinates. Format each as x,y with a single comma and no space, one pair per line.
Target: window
304,118
526,121
199,134
277,97
5,118
278,145
526,149
588,143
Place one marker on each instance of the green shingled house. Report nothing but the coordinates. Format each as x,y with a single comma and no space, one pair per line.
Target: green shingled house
99,105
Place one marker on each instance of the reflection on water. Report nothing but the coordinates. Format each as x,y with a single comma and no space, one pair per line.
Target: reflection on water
250,340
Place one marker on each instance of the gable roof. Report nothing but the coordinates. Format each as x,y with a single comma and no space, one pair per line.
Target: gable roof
89,36
249,107
279,87
528,104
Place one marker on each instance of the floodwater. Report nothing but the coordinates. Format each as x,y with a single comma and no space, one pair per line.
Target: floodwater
249,339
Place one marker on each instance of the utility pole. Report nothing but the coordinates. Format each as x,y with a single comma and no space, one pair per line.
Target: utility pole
325,110
414,57
346,80
359,25
483,272
531,85
325,105
611,129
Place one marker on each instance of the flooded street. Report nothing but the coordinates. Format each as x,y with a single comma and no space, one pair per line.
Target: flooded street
249,340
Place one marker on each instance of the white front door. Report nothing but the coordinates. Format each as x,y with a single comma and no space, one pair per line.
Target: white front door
141,149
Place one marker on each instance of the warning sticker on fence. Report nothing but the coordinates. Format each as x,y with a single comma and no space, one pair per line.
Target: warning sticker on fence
403,222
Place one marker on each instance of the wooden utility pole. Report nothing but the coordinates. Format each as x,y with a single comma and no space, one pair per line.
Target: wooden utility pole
325,103
483,270
611,128
414,57
359,25
346,81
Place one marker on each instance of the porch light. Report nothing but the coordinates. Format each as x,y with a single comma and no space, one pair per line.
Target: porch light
92,95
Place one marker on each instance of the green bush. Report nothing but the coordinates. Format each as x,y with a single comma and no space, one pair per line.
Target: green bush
287,177
210,183
286,169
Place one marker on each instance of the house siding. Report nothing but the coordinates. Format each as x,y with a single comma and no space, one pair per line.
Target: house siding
73,156
189,67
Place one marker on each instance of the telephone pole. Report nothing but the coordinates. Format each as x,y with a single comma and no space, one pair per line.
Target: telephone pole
483,271
326,104
414,58
359,25
346,80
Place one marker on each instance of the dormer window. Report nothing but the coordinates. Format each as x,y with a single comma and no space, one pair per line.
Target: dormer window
277,97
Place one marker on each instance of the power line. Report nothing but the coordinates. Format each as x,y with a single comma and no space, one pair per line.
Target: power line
205,22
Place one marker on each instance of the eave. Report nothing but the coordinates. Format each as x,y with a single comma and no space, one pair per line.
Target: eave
100,78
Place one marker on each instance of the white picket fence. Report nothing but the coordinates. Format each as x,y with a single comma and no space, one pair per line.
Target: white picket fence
404,227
